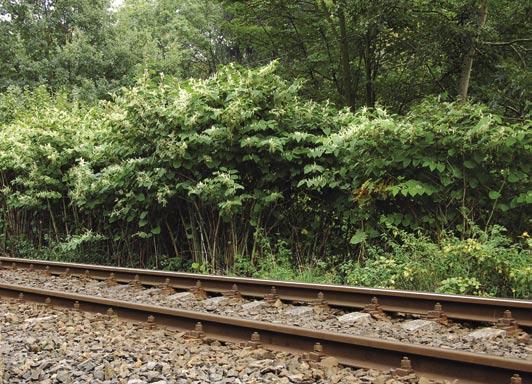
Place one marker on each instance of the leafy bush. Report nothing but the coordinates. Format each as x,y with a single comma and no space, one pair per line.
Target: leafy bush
439,168
486,264
85,247
237,172
277,263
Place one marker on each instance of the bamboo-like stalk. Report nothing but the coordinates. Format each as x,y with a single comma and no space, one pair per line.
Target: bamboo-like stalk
52,218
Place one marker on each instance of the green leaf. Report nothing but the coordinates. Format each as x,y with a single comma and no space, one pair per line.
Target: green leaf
394,190
358,237
494,195
469,164
473,182
156,230
510,141
514,177
484,122
503,207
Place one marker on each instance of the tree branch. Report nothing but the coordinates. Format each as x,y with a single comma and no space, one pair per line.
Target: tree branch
501,43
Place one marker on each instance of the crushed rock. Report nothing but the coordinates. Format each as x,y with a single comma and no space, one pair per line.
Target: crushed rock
456,336
94,348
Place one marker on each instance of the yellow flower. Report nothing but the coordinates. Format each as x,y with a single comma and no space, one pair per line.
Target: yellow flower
525,234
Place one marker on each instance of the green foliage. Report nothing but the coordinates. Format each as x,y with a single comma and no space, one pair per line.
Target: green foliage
58,44
352,52
238,172
437,168
485,264
85,247
390,52
276,263
91,48
175,37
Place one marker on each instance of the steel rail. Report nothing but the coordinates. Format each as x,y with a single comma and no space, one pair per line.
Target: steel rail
461,307
354,351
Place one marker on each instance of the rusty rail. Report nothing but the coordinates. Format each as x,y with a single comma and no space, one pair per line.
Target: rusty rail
355,351
461,307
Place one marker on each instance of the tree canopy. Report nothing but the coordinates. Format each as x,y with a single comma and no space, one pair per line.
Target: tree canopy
355,53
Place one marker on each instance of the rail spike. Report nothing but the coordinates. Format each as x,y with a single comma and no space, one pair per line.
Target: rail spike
317,353
197,332
198,291
272,297
150,322
135,283
254,341
438,315
111,314
65,273
375,310
166,288
320,305
111,280
233,293
86,276
508,324
405,368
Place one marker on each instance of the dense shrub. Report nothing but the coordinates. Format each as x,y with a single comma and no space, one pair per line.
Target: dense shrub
485,264
439,168
237,171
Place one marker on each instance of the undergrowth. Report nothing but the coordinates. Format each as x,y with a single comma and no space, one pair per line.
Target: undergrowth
487,263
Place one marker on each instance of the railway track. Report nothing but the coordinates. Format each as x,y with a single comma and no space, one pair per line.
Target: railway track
355,351
468,308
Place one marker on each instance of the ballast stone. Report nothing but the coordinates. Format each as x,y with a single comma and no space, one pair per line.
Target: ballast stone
299,310
253,305
63,377
183,296
420,325
355,318
121,287
217,300
34,320
486,334
329,362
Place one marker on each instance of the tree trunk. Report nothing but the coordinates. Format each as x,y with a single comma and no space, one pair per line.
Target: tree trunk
349,96
467,64
370,62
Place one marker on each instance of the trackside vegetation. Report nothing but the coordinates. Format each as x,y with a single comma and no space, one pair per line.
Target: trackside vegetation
239,173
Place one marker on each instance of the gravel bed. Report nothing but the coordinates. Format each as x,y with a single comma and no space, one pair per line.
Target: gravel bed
456,336
42,344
